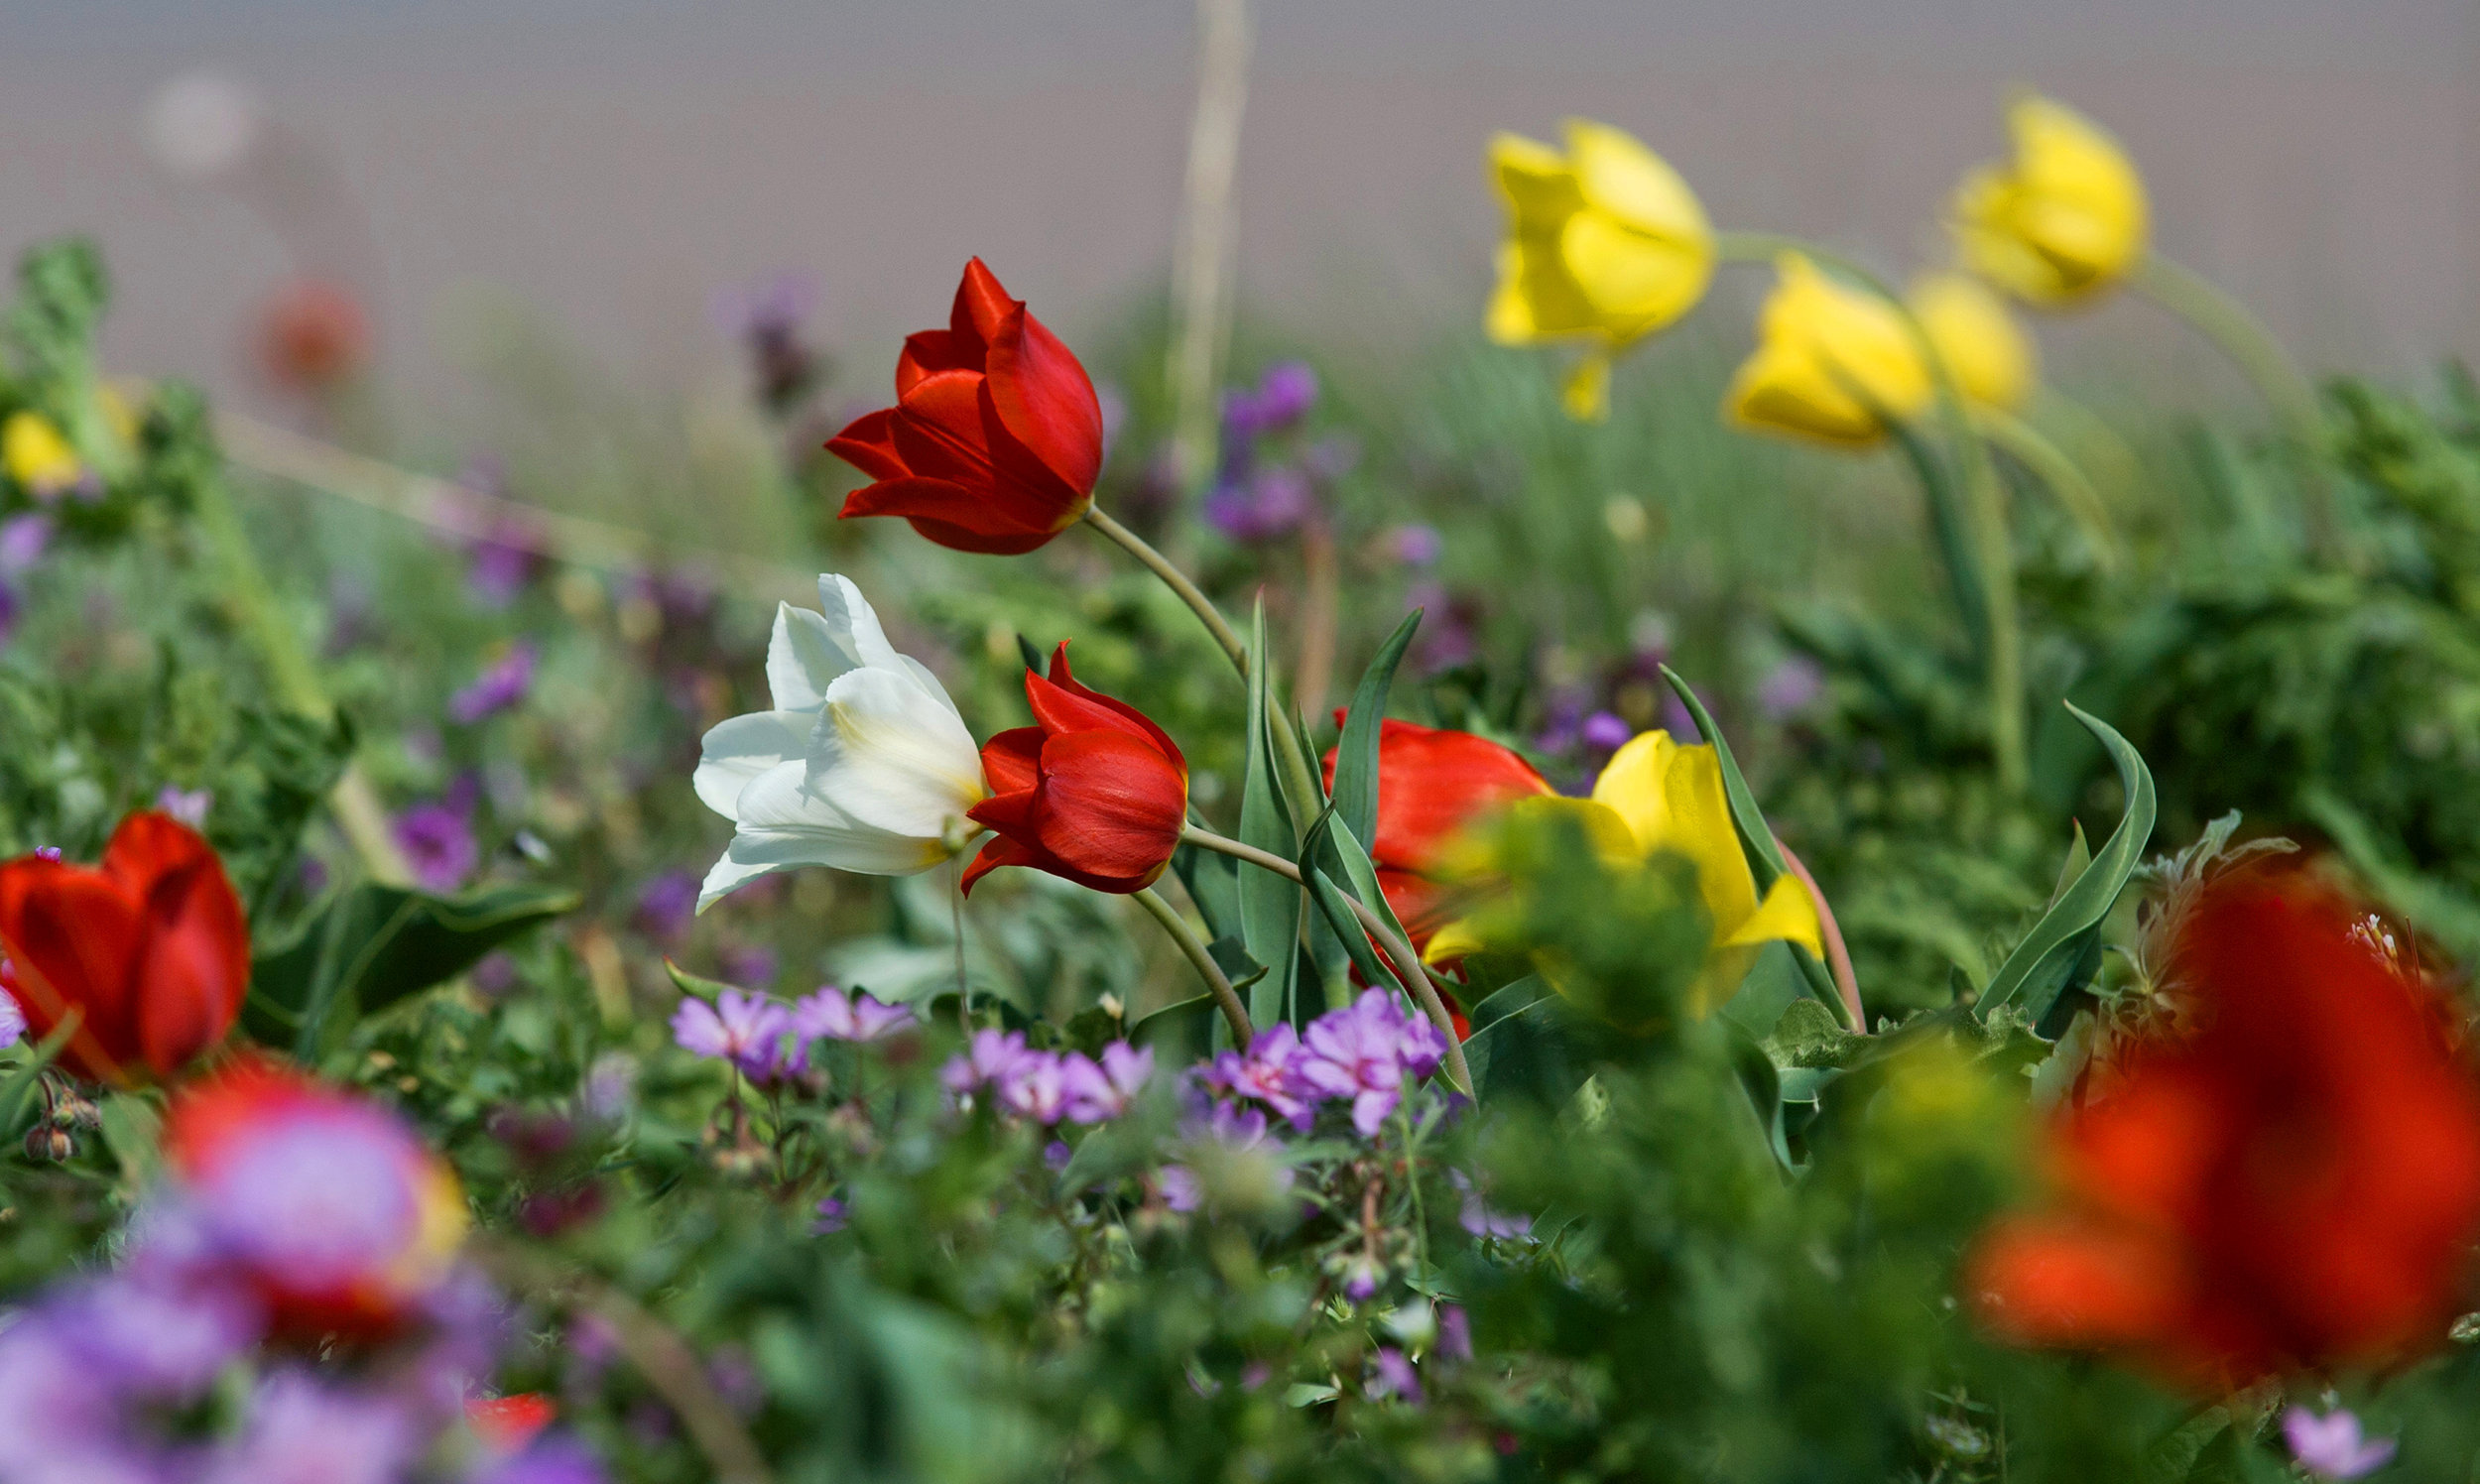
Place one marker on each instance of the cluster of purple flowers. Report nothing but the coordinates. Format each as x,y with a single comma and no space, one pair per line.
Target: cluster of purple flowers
104,1376
768,1040
498,688
1364,1052
1261,499
1050,1087
1220,1130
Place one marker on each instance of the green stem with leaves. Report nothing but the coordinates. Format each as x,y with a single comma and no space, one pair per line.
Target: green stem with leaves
2064,478
1409,970
1226,998
1984,496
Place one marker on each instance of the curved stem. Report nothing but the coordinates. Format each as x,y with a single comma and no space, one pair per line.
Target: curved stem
1304,784
1178,582
1984,496
955,923
1397,951
1837,954
1226,998
2050,464
2221,319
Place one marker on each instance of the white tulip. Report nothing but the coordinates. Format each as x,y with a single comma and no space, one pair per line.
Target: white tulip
863,764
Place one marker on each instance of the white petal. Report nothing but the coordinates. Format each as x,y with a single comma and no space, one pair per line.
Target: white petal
736,751
893,753
803,658
855,623
781,821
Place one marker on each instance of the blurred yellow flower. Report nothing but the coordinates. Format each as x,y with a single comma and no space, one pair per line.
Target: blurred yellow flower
2066,218
1985,350
1831,362
36,456
1657,795
1605,244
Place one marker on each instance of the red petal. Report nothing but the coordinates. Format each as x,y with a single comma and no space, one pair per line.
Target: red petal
1110,805
1062,705
72,935
982,306
2045,1281
996,852
868,443
947,429
1045,400
931,351
1431,781
1012,760
196,965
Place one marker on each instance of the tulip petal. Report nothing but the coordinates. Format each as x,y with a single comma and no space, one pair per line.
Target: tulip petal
893,756
931,351
782,825
997,851
1012,760
196,963
1062,704
72,938
868,443
982,306
1111,806
1045,400
736,751
1787,914
1616,175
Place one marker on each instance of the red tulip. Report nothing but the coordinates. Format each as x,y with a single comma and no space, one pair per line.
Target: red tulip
1431,783
1094,793
995,440
2293,1185
150,948
506,1425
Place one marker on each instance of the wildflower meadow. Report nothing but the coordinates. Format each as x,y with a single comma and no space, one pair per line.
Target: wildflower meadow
1148,909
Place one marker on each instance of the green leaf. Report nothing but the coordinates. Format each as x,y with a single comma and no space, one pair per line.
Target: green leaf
21,1083
376,944
694,985
1504,1001
1772,985
1214,884
1181,1033
1356,754
1269,905
1761,1080
2063,950
133,1130
1347,928
1533,1053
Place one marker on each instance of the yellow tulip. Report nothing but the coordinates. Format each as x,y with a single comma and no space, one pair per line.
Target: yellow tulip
36,456
1831,362
1985,350
1605,244
1657,795
2067,218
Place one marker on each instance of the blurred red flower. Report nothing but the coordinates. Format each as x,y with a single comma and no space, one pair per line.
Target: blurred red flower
150,947
313,334
995,440
1094,792
1431,783
506,1425
2292,1185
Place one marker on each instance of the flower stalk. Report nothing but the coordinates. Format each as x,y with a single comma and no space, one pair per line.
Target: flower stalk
1391,944
1226,998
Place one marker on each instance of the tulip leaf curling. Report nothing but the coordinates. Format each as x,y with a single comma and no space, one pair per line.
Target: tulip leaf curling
2063,950
1269,906
1356,755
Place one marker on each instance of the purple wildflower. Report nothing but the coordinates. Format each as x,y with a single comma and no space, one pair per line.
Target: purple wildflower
1100,1092
500,565
1791,688
1365,1052
303,1431
437,840
751,964
47,852
744,1029
1417,544
23,540
1055,1154
1283,397
832,1015
552,1459
832,1216
1178,1184
1223,1131
1034,1086
1269,1073
1262,505
12,1020
986,1059
1477,1218
667,905
1361,1276
1394,1377
1606,733
2331,1447
497,688
1454,1334
189,806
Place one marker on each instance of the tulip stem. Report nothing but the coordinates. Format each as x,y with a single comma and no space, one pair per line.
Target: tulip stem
2050,464
2220,317
1303,782
1397,951
1984,497
1226,998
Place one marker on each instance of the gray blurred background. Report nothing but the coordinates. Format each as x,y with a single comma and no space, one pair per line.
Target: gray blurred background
609,166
